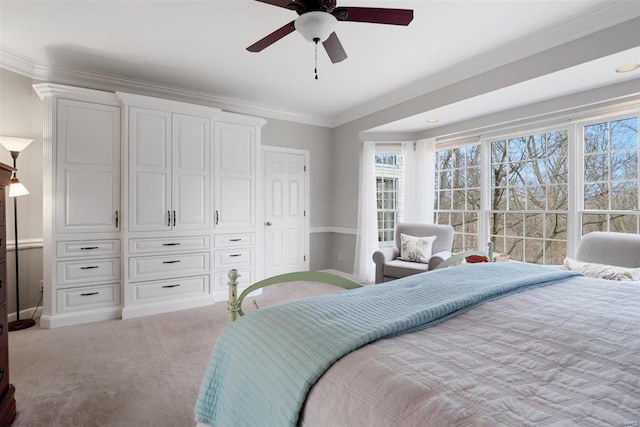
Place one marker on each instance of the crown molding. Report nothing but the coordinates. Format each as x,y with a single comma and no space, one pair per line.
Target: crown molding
589,22
594,20
27,67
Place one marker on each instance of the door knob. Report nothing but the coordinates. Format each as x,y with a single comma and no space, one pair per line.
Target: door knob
268,223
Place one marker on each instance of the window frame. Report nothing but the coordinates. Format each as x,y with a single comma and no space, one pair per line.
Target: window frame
575,166
390,149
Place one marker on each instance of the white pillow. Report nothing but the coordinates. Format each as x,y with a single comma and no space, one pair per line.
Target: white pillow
416,249
602,271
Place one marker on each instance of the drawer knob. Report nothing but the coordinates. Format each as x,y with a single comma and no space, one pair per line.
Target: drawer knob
171,244
235,240
235,255
171,286
89,267
89,248
88,294
171,262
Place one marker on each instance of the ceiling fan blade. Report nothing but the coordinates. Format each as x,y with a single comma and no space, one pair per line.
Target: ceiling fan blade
272,38
374,15
279,3
334,49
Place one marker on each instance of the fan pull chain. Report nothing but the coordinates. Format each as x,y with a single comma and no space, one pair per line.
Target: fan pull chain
315,70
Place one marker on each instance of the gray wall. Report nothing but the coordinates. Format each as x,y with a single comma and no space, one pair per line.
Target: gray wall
21,116
318,141
347,140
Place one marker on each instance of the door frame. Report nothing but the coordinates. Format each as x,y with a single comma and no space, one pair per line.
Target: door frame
307,174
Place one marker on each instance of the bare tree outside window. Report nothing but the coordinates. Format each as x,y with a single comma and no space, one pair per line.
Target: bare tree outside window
529,196
457,199
611,177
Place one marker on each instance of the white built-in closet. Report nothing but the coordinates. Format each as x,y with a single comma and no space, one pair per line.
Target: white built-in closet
147,204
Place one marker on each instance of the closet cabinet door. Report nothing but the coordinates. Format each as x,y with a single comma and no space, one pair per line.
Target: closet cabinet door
235,176
149,170
88,161
191,142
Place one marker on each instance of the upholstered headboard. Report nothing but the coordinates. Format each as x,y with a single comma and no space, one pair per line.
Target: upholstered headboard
621,249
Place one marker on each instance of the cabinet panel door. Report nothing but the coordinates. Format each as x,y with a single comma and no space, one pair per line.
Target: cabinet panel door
88,158
149,170
235,176
191,142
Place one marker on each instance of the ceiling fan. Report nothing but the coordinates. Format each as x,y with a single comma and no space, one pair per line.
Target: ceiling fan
318,19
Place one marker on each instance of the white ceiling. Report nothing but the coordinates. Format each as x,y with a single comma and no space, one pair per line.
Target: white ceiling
199,46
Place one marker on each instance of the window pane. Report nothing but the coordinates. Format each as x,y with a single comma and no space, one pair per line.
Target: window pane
534,225
514,224
624,195
459,170
591,222
514,248
596,196
517,149
498,151
555,252
624,223
596,138
556,226
497,223
624,133
624,165
471,223
596,167
534,251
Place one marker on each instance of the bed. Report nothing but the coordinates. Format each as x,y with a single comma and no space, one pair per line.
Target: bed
562,349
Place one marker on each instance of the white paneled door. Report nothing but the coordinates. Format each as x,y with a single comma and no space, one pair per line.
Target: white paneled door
285,214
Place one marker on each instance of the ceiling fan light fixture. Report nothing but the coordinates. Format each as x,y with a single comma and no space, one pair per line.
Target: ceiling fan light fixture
316,26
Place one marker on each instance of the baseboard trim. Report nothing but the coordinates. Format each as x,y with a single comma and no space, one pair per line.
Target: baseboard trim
27,313
338,230
61,320
342,274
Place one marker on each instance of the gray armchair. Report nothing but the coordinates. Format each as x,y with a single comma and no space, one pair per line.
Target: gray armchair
620,249
389,267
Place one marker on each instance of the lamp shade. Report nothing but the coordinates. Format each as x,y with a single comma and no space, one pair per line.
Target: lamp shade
15,144
17,189
316,25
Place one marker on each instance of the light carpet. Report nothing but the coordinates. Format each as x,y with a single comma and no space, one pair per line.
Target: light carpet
136,372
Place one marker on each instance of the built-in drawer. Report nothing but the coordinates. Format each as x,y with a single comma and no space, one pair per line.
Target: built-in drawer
93,270
169,244
168,266
234,258
170,289
88,298
84,248
233,240
245,279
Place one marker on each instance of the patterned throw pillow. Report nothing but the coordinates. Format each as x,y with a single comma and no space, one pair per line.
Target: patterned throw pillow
602,271
416,249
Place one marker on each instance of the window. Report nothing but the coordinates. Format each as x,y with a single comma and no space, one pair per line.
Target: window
457,201
611,176
388,190
529,196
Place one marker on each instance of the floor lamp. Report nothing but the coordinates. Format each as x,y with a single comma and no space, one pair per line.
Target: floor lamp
17,189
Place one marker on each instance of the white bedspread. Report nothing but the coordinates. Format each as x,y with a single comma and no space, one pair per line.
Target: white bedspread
566,354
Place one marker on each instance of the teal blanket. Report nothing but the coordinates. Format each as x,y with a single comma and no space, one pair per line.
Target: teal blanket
263,365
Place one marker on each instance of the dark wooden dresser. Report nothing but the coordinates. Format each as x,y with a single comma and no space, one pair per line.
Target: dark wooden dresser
7,400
